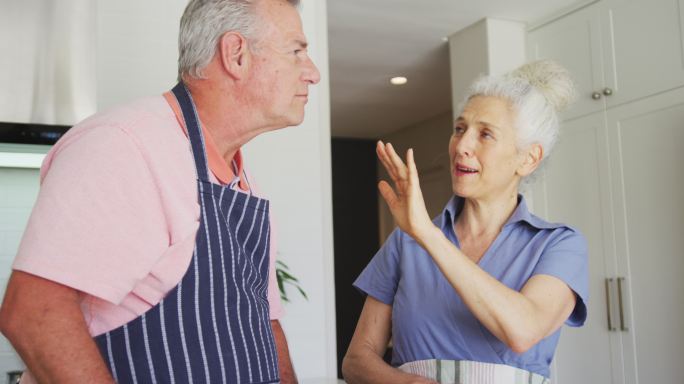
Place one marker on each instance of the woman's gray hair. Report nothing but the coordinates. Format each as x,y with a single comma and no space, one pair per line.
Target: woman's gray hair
202,25
538,92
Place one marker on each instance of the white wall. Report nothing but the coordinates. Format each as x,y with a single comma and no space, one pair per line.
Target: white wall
492,47
137,48
47,67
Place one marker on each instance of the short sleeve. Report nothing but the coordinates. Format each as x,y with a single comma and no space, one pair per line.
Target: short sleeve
566,258
380,278
98,225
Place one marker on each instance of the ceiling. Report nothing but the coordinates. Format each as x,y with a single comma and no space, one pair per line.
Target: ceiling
371,41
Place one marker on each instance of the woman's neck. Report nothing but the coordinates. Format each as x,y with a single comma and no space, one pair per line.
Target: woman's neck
485,217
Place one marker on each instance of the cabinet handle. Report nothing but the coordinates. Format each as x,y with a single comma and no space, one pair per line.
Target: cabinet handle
607,91
609,281
596,96
622,311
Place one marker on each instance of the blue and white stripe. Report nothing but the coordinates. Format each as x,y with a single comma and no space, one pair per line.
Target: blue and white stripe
214,326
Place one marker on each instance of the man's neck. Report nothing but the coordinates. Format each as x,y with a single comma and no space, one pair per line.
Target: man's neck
225,118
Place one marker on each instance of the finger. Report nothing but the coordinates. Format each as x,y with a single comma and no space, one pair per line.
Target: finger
396,161
384,158
391,172
387,193
411,163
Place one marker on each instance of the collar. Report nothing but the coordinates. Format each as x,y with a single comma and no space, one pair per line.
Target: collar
223,172
520,214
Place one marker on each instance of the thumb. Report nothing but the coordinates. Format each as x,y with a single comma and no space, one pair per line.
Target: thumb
387,193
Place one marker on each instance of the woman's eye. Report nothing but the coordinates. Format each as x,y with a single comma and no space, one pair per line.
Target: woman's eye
486,135
459,130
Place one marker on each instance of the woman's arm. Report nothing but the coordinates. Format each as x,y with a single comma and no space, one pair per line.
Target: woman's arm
518,319
363,363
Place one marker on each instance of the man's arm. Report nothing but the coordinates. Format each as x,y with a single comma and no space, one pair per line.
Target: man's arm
287,373
44,323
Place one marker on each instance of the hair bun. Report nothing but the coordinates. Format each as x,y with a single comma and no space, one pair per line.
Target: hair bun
551,79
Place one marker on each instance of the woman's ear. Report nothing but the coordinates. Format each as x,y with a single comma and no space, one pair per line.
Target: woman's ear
532,157
234,54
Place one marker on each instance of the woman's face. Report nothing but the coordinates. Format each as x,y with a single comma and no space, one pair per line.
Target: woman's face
485,161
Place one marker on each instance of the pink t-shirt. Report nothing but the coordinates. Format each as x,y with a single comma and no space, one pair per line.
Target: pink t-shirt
117,213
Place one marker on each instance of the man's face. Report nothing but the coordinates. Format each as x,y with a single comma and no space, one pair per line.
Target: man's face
283,70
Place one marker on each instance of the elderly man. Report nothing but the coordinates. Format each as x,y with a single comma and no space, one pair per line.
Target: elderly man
147,256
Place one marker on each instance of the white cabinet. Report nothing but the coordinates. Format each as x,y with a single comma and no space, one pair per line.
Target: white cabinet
572,190
617,50
646,142
617,175
643,47
575,42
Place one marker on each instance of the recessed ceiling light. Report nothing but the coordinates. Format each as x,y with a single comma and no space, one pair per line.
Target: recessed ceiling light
399,80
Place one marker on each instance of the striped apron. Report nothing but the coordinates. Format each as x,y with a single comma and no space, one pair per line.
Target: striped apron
214,326
472,372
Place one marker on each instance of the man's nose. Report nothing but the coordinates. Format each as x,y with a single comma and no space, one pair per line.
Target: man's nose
311,73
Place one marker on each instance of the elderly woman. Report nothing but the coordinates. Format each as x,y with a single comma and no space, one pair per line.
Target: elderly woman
477,295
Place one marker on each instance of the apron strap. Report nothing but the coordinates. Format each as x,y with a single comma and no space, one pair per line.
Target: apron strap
194,132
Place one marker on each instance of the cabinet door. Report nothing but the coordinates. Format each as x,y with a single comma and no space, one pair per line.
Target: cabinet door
573,191
646,140
647,55
574,41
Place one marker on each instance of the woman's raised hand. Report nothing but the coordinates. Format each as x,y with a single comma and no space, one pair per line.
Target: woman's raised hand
405,200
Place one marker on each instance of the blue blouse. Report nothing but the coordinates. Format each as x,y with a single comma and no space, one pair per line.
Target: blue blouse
429,319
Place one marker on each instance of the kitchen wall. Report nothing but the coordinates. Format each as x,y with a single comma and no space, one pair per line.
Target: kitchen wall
47,69
136,56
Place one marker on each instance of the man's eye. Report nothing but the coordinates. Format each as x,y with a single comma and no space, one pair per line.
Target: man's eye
459,130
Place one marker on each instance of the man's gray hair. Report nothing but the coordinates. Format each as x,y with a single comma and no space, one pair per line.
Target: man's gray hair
204,22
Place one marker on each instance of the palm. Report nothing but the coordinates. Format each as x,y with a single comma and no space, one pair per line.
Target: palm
405,200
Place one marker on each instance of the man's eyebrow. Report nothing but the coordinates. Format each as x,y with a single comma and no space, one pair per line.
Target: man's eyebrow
301,43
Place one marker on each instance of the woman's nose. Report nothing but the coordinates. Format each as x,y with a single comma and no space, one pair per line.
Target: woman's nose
465,145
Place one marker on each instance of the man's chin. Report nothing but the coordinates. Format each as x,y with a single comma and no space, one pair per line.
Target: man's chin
287,120
295,120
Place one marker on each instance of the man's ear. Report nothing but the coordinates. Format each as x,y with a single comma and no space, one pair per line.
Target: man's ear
532,157
234,54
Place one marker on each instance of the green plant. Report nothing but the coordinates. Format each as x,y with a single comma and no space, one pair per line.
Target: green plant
284,277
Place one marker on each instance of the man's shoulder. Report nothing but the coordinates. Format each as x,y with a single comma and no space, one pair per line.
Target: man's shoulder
147,126
146,122
148,113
